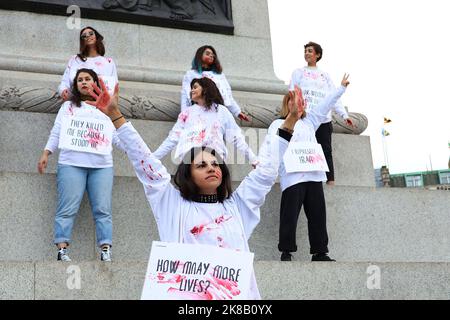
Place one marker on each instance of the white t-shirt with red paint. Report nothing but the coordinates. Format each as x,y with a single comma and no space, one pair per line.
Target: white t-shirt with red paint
304,130
198,126
103,66
77,158
228,224
316,85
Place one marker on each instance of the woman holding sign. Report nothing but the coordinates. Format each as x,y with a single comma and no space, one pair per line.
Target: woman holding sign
202,209
84,135
91,56
206,64
207,122
301,182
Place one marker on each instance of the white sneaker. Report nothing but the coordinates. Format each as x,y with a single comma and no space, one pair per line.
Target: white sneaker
105,254
63,256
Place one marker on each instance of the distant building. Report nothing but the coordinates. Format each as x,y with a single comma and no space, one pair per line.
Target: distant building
378,180
437,179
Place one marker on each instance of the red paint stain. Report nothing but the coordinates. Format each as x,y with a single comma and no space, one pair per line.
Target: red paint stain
197,230
222,219
183,117
189,295
174,279
317,158
201,136
145,171
151,169
220,241
94,137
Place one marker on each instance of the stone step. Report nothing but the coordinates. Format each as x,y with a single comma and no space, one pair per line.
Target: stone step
364,223
24,135
276,280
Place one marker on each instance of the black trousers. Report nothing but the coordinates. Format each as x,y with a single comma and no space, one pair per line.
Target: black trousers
309,194
323,136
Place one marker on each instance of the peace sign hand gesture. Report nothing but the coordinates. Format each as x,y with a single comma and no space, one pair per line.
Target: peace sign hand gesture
344,81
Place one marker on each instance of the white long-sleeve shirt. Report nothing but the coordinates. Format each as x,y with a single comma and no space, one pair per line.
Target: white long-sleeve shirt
316,85
304,130
228,224
103,66
197,126
222,84
77,158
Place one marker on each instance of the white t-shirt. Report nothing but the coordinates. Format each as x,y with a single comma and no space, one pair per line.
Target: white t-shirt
76,158
197,126
101,65
316,85
304,130
228,224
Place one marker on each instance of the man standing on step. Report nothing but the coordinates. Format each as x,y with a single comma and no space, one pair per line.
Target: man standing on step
315,85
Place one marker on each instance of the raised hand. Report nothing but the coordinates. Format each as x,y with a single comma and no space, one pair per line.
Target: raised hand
296,103
107,104
344,81
65,95
296,107
103,101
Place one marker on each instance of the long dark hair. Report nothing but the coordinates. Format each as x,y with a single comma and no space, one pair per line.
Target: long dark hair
183,178
76,95
210,92
84,50
197,61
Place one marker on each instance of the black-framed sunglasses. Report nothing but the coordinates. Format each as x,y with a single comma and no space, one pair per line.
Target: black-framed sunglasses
86,35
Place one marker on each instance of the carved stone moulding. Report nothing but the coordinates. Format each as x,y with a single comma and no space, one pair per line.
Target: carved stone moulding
199,15
156,108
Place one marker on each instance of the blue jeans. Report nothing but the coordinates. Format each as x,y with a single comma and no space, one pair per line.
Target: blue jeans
71,184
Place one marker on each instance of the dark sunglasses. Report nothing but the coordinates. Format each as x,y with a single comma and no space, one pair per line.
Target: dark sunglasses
86,35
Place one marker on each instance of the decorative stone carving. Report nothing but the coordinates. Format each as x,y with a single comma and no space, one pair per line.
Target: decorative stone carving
157,108
179,9
29,99
200,15
153,108
360,123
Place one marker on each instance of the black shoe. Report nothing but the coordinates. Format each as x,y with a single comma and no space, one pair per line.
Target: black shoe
286,256
321,257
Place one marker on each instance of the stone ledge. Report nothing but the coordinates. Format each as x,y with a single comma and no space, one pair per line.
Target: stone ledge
363,223
276,280
22,148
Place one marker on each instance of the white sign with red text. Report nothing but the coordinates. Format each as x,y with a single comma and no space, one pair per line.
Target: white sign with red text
86,135
178,271
304,157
